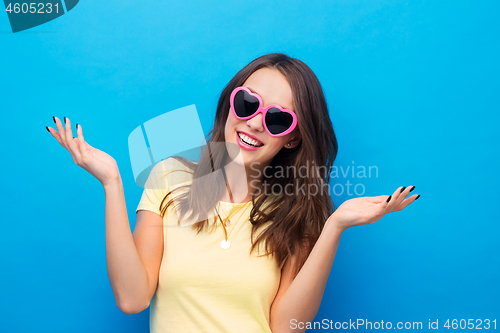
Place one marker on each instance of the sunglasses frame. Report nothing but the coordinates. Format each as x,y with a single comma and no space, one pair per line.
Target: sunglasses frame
263,111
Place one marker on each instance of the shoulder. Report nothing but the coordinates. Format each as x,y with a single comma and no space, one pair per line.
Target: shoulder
176,170
173,164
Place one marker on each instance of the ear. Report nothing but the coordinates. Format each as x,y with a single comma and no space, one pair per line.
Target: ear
293,142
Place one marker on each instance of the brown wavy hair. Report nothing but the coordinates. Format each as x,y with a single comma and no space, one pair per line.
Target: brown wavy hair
297,219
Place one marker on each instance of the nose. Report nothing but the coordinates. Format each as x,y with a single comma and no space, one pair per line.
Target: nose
255,123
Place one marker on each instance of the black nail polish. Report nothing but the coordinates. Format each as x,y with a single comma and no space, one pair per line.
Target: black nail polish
47,128
65,120
389,198
54,118
402,189
418,196
77,126
412,188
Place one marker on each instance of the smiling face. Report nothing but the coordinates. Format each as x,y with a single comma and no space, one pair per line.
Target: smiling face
273,88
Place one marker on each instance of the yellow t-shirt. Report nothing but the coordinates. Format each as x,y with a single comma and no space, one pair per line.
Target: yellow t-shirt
203,288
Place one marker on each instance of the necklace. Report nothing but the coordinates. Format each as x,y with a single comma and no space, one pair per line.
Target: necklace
225,244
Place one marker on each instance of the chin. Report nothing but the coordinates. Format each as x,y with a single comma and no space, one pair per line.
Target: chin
243,158
240,160
235,152
240,153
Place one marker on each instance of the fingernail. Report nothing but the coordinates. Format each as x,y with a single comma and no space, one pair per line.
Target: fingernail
412,188
418,196
389,198
47,128
402,189
54,118
65,120
77,126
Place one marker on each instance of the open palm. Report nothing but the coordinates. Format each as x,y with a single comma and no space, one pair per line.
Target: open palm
368,210
96,162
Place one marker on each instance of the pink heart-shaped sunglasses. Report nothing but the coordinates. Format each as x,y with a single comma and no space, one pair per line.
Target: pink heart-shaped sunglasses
278,121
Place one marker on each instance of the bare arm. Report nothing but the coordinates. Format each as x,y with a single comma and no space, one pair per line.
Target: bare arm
299,299
133,261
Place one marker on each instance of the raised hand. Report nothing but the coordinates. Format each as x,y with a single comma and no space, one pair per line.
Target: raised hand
96,162
368,210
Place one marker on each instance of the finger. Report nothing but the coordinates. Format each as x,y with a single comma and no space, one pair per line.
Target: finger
407,202
385,202
404,192
67,131
69,140
62,133
382,203
81,142
72,146
55,134
392,199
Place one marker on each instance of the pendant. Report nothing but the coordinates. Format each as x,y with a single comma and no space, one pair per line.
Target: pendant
225,244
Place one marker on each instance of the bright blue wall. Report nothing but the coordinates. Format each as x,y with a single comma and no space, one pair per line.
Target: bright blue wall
412,88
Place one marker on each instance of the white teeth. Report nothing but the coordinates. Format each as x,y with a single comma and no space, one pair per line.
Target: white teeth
249,140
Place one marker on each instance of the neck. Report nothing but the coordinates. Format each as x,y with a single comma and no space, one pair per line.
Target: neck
239,188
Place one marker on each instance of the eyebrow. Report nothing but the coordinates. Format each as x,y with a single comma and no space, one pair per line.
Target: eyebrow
291,109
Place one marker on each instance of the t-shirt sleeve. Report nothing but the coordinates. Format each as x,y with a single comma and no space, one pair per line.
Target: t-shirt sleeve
155,188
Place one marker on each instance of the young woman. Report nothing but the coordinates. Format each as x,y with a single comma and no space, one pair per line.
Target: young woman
256,247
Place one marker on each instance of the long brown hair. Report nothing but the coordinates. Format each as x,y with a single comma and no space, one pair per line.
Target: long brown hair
297,219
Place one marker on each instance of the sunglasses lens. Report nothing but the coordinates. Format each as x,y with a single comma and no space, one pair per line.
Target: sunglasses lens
278,122
245,104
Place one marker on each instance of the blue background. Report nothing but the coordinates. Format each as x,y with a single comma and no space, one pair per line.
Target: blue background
412,86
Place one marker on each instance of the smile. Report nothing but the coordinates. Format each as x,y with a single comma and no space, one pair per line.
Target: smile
249,141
